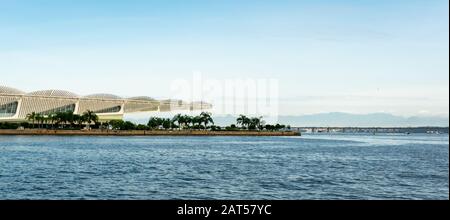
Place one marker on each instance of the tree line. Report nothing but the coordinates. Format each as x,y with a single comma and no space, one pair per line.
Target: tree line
257,123
203,121
62,119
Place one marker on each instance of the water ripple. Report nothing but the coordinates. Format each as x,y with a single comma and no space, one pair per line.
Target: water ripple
308,167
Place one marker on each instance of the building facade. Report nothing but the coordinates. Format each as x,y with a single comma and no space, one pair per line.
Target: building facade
15,104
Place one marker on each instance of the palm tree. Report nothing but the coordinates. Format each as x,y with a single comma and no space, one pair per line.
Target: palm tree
43,119
31,117
261,125
39,118
206,118
90,117
61,118
154,122
52,118
196,121
173,125
178,119
240,120
80,119
269,127
70,118
182,121
243,121
188,120
279,127
65,117
256,123
166,123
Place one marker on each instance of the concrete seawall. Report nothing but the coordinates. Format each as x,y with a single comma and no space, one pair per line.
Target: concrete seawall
146,133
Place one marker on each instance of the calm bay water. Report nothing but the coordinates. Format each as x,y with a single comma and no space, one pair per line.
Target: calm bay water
308,167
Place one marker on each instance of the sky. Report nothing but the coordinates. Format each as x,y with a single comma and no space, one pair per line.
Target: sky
372,56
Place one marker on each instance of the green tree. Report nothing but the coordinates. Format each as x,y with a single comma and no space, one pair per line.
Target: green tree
61,118
279,127
269,127
206,118
178,118
243,120
188,120
128,125
90,117
79,119
232,127
166,123
256,123
39,118
215,128
51,117
116,124
104,125
196,121
154,122
141,127
69,118
31,117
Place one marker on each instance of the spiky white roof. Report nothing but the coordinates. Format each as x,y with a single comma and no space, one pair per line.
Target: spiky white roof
54,93
10,91
103,96
142,98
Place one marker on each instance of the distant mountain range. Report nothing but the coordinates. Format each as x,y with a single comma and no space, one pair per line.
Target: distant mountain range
338,119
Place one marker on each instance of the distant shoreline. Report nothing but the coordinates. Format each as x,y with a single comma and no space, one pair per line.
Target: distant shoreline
145,133
412,130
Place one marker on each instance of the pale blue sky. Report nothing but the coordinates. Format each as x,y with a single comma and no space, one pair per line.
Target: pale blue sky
329,56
